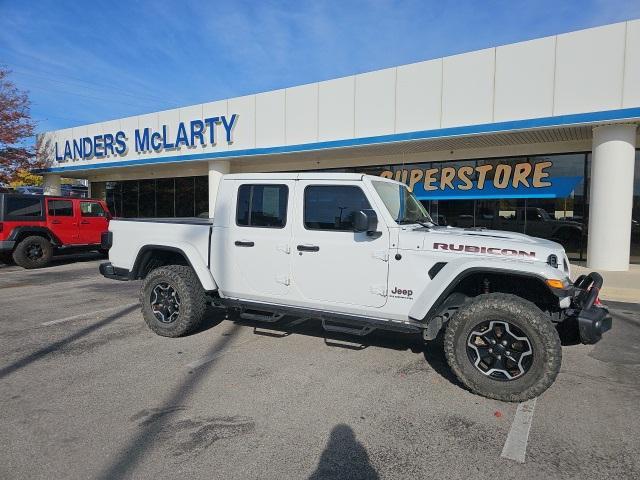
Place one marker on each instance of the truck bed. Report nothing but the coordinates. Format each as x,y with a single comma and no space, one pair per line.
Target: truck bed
132,237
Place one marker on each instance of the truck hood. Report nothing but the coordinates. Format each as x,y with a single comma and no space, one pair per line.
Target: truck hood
490,243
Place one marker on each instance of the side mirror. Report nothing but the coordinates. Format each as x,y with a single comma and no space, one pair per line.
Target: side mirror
365,221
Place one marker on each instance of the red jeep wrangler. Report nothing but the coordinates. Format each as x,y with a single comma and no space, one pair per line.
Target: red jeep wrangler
33,227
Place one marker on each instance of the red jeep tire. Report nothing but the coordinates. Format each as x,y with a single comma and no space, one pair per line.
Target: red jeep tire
33,252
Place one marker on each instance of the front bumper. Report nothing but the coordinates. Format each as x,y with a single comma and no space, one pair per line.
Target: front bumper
593,323
114,273
7,245
592,318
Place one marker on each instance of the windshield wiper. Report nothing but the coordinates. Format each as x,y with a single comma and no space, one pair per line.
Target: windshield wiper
419,222
424,224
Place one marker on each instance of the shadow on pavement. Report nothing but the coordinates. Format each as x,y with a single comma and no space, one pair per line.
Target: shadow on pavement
212,318
139,445
43,352
434,355
344,457
58,260
432,351
80,257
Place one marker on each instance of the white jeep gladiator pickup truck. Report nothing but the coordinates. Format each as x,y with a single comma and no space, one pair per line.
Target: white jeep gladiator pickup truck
361,253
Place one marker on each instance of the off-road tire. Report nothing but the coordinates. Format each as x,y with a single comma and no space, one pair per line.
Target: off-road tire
21,252
544,339
193,301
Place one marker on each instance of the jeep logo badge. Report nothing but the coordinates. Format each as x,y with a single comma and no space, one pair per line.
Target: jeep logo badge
398,292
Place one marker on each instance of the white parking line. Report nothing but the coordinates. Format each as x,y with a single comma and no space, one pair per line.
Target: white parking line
515,448
88,314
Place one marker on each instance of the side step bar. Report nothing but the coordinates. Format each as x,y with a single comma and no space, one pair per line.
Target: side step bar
359,332
331,321
261,316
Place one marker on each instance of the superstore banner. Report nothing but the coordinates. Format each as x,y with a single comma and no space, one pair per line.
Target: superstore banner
522,180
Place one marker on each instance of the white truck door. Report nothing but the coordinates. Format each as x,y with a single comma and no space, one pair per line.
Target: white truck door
331,263
259,239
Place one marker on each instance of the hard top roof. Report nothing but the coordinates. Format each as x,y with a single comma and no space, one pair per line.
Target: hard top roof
335,176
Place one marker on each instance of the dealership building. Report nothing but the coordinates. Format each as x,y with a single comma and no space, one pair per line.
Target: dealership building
537,137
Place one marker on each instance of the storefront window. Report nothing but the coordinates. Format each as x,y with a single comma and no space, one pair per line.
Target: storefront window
130,198
185,204
202,196
635,216
147,198
543,196
165,197
113,193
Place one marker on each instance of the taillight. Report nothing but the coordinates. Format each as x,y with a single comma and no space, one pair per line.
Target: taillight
1,227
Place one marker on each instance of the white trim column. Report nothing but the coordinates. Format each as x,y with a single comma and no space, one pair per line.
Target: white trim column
51,184
217,168
611,197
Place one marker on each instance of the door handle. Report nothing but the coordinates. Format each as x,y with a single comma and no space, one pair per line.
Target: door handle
84,222
244,244
308,248
56,222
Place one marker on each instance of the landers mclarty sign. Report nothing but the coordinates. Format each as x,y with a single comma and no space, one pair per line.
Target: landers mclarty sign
196,132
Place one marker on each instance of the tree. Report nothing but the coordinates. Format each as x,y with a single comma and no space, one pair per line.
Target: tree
24,178
16,127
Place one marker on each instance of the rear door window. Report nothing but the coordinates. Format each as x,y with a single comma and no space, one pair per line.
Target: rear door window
23,208
262,206
60,208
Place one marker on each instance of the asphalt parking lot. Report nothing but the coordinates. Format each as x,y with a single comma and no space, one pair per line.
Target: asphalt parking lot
87,391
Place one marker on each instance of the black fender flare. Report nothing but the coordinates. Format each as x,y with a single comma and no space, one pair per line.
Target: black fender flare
19,233
145,253
440,301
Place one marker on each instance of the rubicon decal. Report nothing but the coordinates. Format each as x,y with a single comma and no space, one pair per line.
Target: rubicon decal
398,292
453,247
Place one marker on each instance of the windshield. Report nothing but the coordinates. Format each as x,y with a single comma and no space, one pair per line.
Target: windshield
402,204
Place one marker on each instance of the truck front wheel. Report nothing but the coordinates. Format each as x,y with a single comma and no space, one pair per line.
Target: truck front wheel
173,301
503,347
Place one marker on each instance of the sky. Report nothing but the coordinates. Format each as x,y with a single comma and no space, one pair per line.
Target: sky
92,61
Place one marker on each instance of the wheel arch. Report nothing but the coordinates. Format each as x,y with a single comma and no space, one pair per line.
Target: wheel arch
20,233
469,283
150,257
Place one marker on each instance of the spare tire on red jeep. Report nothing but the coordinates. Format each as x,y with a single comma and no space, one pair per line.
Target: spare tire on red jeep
33,252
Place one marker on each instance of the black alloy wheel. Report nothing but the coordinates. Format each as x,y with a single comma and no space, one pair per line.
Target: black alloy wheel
503,347
165,303
33,252
173,300
499,350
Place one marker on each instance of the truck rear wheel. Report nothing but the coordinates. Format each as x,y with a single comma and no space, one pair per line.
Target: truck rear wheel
503,347
33,252
173,301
